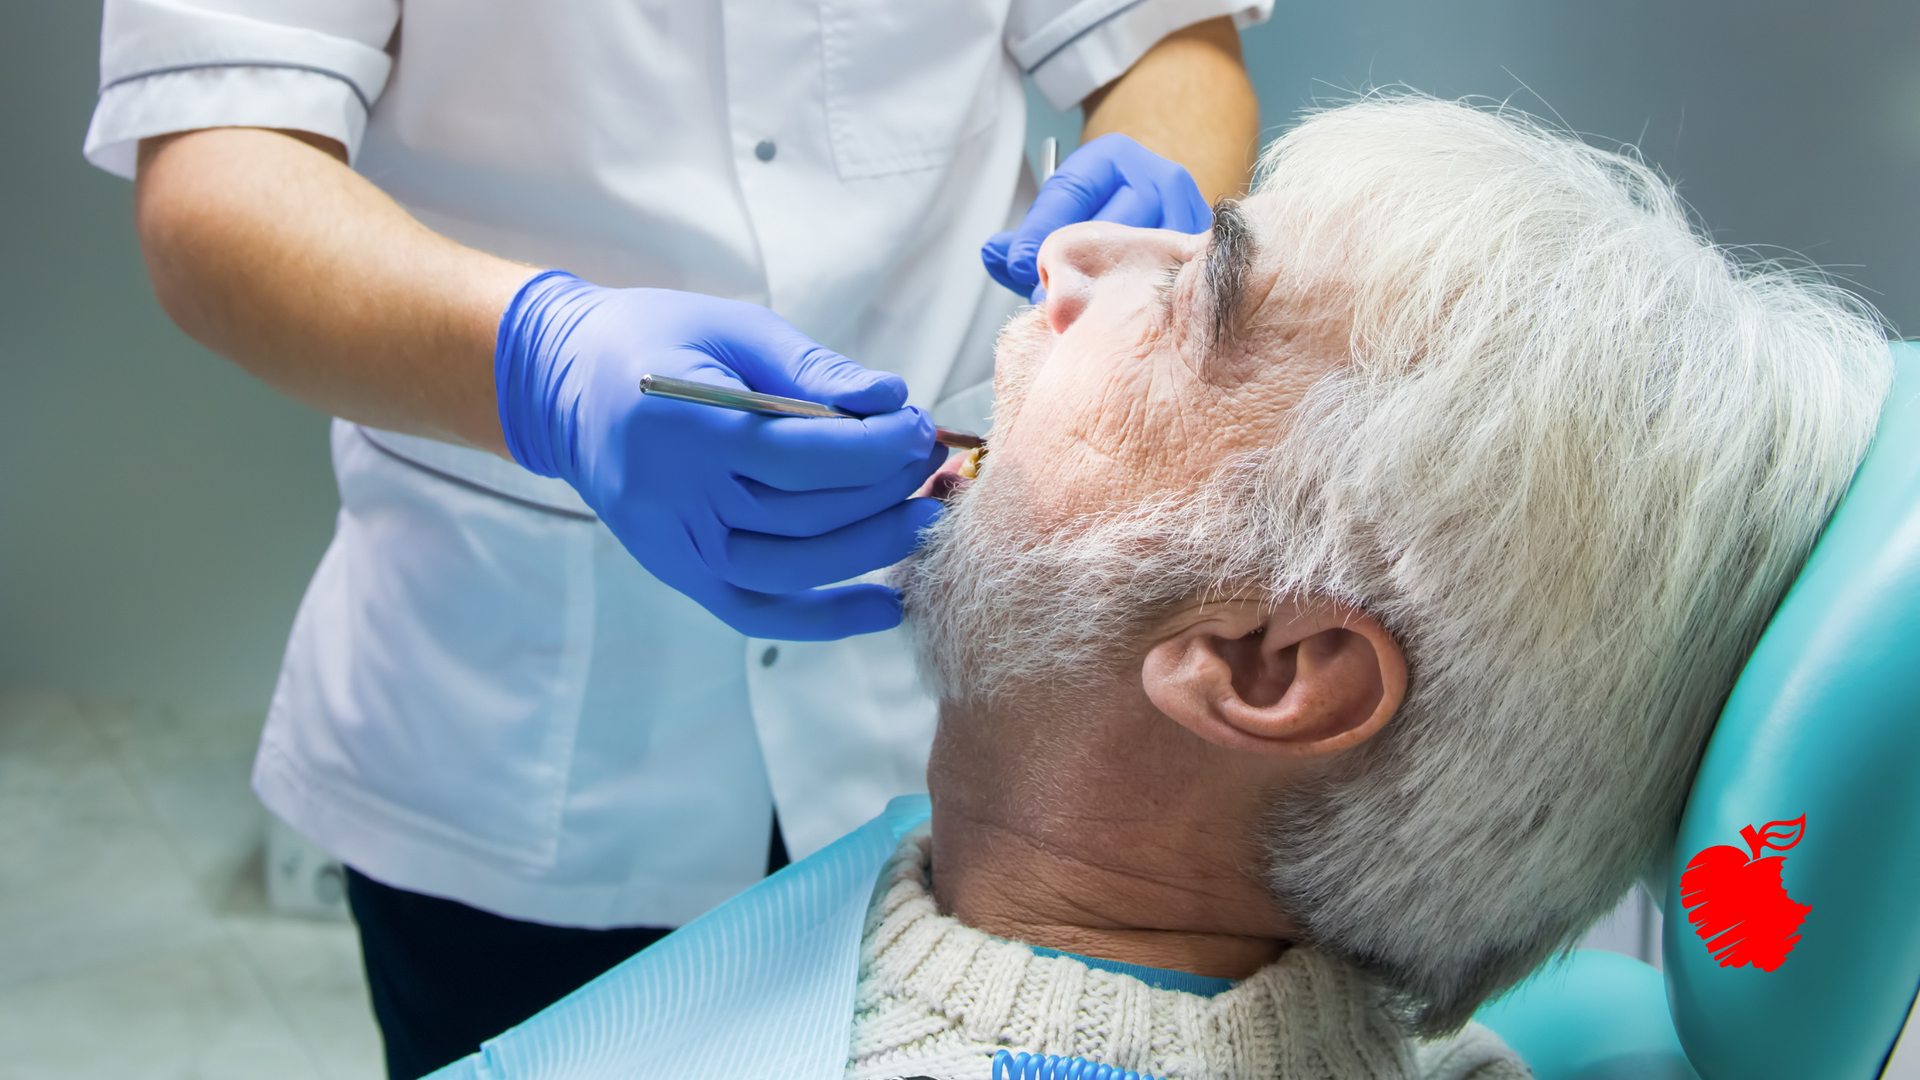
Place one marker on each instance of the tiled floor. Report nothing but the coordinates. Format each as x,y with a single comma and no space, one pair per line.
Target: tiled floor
135,941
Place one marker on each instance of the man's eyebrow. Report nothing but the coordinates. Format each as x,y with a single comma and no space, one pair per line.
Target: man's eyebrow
1225,273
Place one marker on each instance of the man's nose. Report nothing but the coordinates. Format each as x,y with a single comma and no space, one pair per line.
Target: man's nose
1077,261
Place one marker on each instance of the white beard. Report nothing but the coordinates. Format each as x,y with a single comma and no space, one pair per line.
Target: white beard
995,605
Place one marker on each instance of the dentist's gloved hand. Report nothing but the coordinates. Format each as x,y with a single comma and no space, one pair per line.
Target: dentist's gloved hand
1111,178
743,513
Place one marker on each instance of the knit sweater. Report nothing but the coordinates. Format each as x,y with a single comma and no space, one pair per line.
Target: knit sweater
937,998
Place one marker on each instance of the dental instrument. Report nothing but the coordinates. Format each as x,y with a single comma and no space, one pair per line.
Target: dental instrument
772,405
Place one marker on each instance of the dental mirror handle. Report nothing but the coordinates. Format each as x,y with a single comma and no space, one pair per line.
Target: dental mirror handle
726,397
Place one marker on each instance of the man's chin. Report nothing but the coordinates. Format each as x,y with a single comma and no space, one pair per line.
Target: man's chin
996,604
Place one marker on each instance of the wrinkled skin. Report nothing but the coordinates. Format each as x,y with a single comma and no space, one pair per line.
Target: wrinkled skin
1113,389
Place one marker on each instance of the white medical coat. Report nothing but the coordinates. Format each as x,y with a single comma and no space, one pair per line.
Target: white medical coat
484,697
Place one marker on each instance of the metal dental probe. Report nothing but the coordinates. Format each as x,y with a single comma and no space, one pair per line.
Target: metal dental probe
770,405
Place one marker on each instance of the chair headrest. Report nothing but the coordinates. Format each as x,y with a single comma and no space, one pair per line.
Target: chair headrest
1811,784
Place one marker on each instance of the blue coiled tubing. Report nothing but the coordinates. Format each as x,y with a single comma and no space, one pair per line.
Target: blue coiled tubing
1008,1066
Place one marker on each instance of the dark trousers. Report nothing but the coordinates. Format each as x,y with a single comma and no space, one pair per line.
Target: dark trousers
445,977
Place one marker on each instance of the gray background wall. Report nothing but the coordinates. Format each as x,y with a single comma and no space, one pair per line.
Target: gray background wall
159,512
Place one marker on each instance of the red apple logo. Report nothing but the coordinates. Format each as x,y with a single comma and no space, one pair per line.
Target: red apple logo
1737,904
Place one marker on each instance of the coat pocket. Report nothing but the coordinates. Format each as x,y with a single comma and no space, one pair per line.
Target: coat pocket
908,81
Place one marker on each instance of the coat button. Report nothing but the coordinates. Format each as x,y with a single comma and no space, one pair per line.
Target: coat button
765,150
772,654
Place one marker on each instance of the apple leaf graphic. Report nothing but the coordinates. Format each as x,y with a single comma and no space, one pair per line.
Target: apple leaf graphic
1736,902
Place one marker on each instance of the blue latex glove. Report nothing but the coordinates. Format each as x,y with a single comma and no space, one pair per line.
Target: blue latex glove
744,513
1111,178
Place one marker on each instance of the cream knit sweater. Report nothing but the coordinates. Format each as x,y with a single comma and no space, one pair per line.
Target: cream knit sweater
937,999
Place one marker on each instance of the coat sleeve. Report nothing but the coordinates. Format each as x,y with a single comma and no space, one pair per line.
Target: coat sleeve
1073,47
178,65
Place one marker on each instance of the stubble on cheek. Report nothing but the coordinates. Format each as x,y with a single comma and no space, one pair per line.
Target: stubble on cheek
1074,418
1018,353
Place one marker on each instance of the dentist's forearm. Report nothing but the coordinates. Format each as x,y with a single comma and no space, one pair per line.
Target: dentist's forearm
1188,100
264,247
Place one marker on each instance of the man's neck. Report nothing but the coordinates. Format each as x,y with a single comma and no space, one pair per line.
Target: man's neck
1149,899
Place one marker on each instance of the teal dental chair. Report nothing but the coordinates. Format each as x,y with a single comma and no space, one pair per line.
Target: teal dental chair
1815,763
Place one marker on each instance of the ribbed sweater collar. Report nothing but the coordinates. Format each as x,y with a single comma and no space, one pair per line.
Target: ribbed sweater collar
937,998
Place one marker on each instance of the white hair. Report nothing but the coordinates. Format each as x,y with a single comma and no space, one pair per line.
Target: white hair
1574,457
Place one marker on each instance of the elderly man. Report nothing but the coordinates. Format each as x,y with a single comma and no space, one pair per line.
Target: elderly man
1327,639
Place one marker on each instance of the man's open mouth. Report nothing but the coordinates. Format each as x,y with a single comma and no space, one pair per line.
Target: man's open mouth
958,471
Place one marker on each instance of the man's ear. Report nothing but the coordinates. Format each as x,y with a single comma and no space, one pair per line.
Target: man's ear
1299,682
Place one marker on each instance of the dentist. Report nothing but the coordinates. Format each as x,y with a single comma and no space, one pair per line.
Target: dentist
572,650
